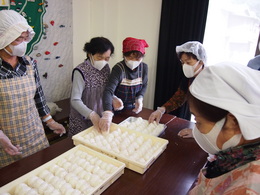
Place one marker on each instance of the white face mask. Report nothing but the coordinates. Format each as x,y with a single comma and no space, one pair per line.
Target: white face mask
132,64
188,70
98,64
208,141
17,50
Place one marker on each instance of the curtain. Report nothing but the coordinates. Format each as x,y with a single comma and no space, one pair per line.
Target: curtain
181,21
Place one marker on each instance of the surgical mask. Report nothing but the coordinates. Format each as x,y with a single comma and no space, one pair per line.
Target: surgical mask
98,64
208,141
132,64
17,50
188,70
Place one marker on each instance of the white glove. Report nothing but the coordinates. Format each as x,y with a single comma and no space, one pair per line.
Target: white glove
105,121
138,105
94,117
7,145
117,103
157,115
56,127
211,157
185,133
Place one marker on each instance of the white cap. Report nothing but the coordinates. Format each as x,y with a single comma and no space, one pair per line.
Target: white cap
234,88
12,25
195,48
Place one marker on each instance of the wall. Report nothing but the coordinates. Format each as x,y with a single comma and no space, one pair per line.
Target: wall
116,20
54,51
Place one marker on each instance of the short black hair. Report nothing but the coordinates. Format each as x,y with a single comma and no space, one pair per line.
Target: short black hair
207,111
189,54
136,54
98,45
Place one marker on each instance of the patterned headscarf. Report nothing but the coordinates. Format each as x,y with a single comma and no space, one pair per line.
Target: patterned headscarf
133,44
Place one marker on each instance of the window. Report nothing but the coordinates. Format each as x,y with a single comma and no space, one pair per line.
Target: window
232,30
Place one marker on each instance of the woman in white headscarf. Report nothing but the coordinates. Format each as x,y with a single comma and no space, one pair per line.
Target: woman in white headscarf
22,100
225,100
192,55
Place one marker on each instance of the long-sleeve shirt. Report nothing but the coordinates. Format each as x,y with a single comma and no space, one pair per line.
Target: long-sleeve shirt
8,72
116,77
179,97
78,86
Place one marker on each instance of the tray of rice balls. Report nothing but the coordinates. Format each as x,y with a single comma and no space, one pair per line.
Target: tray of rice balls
136,149
141,125
78,171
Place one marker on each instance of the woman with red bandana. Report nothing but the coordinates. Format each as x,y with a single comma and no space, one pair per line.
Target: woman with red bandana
128,81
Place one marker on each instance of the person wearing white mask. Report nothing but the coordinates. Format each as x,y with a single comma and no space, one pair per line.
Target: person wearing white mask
128,81
224,99
88,82
22,100
193,58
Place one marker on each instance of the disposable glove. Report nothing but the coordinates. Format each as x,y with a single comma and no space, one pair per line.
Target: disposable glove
138,105
185,133
117,103
94,117
7,145
56,127
157,115
105,121
211,157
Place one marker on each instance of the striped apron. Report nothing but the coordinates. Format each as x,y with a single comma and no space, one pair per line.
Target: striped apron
19,118
128,88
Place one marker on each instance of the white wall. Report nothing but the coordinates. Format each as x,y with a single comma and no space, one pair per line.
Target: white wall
116,20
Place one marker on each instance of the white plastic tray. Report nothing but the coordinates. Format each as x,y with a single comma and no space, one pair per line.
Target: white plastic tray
141,125
137,150
76,157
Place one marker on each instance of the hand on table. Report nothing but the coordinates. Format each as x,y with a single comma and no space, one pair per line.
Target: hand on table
95,118
185,133
56,127
7,145
157,115
105,121
117,103
138,105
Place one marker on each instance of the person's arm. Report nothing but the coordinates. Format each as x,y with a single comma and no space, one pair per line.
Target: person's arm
141,93
78,86
139,96
7,145
42,107
179,97
113,82
107,115
175,101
